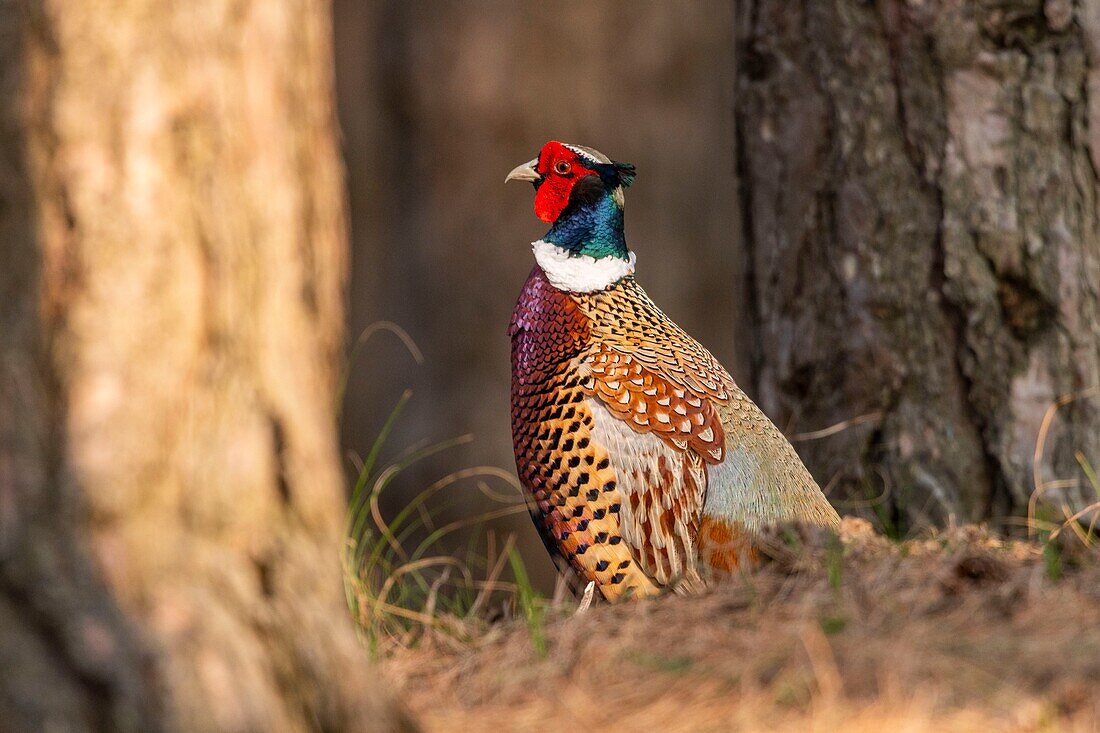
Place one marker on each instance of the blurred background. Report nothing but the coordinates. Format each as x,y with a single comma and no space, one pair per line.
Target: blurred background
438,101
883,217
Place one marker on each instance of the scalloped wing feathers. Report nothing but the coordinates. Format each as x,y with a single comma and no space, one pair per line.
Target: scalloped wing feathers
645,464
653,376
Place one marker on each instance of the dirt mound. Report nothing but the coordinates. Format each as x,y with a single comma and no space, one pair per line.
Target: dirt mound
958,631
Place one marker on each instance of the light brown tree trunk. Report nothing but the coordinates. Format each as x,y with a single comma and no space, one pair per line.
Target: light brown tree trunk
172,264
922,217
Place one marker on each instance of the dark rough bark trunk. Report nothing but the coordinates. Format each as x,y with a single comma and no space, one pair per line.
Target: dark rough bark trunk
920,197
172,258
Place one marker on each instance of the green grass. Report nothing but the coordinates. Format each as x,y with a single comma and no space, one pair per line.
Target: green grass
532,608
401,578
833,624
834,562
405,574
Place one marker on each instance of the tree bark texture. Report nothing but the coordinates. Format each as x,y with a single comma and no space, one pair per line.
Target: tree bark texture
920,183
172,265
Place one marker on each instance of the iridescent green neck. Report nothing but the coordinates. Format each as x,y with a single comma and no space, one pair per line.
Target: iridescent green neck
594,229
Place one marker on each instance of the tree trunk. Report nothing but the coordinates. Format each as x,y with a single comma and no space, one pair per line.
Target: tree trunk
172,263
920,203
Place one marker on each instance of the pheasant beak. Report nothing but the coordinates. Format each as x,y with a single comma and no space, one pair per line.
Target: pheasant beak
525,172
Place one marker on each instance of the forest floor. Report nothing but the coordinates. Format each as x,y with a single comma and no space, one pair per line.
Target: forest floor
959,631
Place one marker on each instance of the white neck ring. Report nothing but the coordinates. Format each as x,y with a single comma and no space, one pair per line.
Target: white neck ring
576,273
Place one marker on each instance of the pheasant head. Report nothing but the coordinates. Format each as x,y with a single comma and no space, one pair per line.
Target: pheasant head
579,191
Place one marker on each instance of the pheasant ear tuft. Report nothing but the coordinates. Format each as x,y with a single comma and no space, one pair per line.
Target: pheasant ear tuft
626,173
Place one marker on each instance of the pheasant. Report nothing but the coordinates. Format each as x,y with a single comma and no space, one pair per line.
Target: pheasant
648,468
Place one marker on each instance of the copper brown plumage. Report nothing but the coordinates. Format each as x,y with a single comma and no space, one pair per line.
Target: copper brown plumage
647,466
569,476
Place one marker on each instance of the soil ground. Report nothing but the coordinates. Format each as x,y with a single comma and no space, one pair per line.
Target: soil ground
960,631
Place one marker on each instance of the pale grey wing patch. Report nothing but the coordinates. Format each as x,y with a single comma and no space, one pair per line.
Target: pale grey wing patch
762,481
741,493
663,490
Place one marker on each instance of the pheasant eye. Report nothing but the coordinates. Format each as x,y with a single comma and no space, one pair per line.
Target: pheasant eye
562,167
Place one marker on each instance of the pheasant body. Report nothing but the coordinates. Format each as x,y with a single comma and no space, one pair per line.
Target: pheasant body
647,466
576,496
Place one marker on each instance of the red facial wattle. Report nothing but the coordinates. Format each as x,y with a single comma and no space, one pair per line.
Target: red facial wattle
553,193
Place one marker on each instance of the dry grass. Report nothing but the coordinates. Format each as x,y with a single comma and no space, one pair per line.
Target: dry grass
956,631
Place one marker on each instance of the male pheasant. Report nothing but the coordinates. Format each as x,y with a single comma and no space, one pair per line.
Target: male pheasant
649,469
